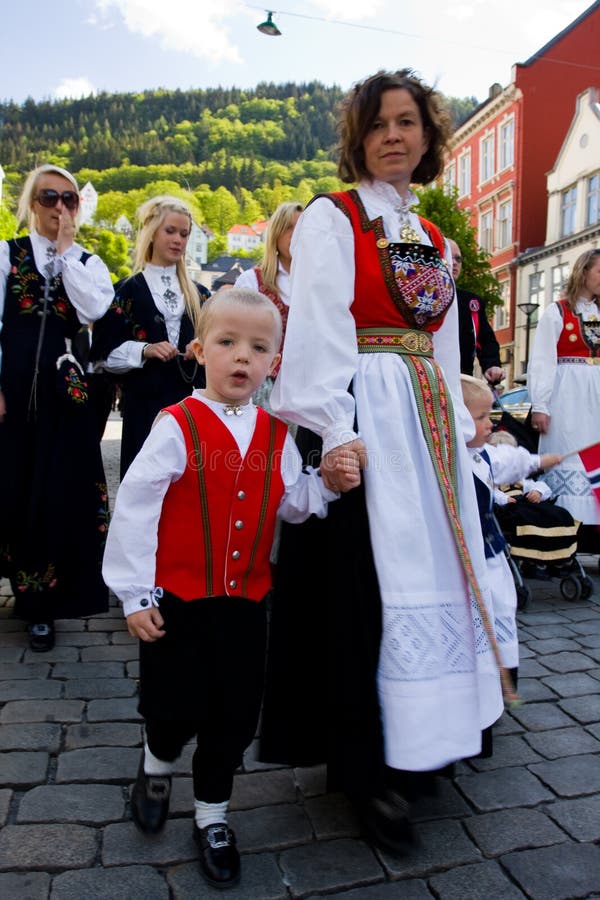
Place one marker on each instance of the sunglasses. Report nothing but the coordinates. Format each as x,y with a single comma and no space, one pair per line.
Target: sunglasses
48,197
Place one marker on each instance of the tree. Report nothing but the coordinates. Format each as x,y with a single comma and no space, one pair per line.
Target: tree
476,275
8,224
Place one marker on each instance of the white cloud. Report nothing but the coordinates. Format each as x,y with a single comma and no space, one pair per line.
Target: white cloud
73,88
189,26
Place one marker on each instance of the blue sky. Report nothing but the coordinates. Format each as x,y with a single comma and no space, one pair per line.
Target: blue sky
77,47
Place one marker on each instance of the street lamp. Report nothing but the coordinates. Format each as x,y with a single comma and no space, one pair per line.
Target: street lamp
269,27
528,309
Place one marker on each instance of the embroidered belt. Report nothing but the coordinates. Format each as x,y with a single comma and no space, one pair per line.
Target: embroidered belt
581,360
394,340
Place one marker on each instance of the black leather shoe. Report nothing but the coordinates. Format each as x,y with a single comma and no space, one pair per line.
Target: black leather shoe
219,857
386,821
41,636
150,800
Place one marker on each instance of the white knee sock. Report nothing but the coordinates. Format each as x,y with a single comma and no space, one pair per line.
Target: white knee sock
210,813
155,766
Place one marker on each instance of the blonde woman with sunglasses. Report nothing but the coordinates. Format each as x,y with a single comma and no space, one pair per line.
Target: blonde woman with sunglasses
53,505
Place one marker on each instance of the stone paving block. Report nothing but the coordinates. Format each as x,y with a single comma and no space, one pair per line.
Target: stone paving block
332,865
532,690
580,817
549,646
445,803
312,780
252,763
478,882
25,885
512,750
103,734
572,684
123,637
507,724
83,804
114,620
263,789
14,671
10,654
537,618
122,710
595,730
540,632
271,827
121,883
584,612
408,889
47,847
100,688
182,797
30,737
556,873
440,846
524,651
133,669
5,798
36,711
571,776
542,716
501,832
589,640
332,816
532,668
574,661
112,652
105,764
89,670
124,845
563,742
35,689
22,769
261,879
503,788
85,639
590,627
59,653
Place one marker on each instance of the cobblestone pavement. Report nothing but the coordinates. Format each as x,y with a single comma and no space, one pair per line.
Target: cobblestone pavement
525,823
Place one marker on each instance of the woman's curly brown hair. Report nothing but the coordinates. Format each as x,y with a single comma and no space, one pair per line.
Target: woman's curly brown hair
360,109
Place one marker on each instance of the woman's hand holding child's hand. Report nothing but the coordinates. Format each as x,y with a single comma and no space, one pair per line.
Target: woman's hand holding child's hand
340,468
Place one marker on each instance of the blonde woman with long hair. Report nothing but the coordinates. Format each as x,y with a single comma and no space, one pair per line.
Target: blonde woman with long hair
145,338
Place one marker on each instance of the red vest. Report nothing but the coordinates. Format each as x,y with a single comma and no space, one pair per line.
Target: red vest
571,341
217,521
374,279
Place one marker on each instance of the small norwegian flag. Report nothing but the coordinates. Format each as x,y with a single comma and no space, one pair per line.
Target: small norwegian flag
590,457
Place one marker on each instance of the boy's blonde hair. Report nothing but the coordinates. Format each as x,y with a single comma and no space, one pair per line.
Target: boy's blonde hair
472,388
238,297
502,437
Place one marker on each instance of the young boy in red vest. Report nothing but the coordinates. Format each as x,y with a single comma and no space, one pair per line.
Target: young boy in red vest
188,555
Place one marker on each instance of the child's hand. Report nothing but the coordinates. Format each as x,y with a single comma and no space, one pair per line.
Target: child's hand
533,496
547,460
512,500
340,468
146,624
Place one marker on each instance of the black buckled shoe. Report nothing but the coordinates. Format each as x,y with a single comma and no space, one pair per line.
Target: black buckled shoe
219,857
150,800
387,823
41,636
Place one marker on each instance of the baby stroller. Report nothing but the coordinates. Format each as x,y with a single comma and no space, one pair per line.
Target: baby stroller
542,537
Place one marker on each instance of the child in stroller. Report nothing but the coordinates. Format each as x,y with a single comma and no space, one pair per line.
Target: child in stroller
542,535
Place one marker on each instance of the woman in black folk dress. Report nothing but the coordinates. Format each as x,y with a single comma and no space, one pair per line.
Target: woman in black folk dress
53,499
144,338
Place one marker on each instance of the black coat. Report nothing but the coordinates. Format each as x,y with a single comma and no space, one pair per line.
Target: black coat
485,347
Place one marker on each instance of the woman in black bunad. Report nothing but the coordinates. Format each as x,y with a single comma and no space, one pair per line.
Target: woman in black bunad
144,338
53,498
383,660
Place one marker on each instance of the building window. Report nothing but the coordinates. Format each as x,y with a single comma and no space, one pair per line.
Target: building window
485,231
507,144
464,174
568,205
537,286
486,158
593,199
501,313
505,224
450,178
560,276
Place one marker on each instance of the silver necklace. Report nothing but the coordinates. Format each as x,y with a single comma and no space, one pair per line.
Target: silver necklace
408,235
233,409
169,296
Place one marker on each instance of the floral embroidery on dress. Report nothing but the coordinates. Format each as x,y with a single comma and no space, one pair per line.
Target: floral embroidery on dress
26,287
77,389
102,514
33,581
423,280
124,307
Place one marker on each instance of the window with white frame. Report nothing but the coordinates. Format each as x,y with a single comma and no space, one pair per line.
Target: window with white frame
450,177
486,158
593,200
506,143
464,174
568,206
501,313
486,221
505,223
560,276
537,288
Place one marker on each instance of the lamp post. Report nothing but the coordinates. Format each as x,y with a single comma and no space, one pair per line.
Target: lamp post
528,309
